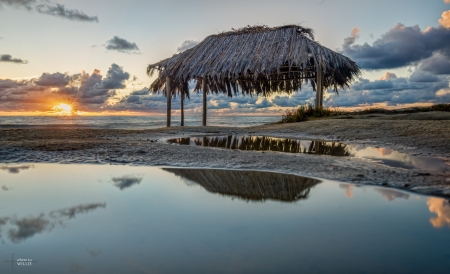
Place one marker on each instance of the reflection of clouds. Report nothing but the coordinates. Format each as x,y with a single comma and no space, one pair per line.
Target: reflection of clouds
126,181
348,189
384,152
94,253
28,227
390,194
442,209
72,211
15,169
5,188
24,228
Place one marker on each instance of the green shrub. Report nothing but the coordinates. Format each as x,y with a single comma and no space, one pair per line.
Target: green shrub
303,112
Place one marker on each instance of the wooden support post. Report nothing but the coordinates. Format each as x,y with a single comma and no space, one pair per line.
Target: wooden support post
319,87
204,100
169,100
182,109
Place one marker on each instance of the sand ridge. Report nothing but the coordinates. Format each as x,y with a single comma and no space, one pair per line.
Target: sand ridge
148,147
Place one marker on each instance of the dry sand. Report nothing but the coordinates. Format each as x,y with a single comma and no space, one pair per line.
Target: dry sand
426,134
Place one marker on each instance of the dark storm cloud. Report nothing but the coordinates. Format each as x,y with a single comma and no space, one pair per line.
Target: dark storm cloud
126,181
424,77
121,45
438,64
8,58
401,46
187,45
53,9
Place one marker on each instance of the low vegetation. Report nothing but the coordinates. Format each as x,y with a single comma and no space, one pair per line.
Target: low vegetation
307,111
304,112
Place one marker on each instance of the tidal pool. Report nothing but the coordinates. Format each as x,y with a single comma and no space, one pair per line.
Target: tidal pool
138,219
264,143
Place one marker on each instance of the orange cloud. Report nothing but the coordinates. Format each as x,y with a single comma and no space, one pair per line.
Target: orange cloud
441,208
445,19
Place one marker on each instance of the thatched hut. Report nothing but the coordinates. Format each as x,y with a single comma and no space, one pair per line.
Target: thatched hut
253,60
250,185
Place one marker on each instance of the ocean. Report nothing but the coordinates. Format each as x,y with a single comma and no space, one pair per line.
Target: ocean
129,122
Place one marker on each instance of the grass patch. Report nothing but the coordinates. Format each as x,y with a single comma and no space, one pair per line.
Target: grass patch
304,112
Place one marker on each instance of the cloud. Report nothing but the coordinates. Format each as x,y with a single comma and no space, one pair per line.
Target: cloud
441,208
8,58
351,40
437,64
28,227
53,9
53,80
86,91
390,194
187,45
126,181
121,45
71,212
24,228
348,189
420,87
59,10
445,19
27,4
388,76
401,46
15,169
5,188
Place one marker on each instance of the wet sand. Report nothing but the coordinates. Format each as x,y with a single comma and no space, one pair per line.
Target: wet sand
425,134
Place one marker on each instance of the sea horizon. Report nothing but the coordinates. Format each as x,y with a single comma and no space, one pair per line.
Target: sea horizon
130,122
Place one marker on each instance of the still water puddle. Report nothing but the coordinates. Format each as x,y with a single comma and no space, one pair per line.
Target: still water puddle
264,143
124,219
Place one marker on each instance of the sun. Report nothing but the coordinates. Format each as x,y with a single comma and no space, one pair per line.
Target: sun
62,109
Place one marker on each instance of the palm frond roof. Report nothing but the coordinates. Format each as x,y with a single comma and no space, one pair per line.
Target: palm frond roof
256,60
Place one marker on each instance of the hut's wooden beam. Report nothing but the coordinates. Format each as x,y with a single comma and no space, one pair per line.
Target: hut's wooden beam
319,87
204,100
183,92
182,109
169,100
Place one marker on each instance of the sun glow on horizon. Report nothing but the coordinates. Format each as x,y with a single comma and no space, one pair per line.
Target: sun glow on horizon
63,109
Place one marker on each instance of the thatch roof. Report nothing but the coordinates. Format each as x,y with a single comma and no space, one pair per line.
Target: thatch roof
250,185
255,60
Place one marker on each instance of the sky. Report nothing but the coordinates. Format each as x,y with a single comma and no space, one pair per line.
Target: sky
93,54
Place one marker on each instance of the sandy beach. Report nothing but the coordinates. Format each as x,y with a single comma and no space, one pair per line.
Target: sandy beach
424,134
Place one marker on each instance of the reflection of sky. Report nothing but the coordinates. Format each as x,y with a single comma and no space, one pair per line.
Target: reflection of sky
397,159
442,210
75,218
380,155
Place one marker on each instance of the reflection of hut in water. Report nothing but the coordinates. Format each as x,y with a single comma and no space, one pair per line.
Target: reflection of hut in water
249,185
264,143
